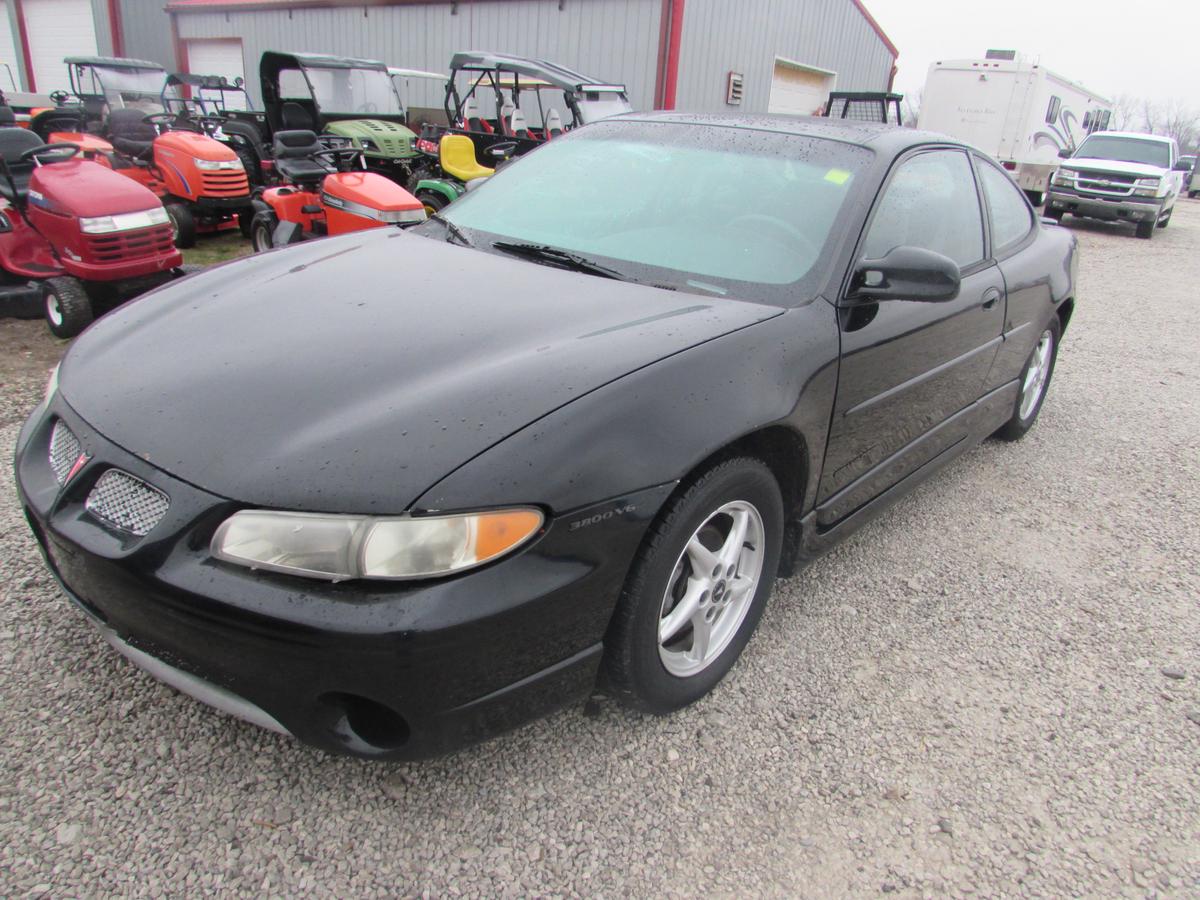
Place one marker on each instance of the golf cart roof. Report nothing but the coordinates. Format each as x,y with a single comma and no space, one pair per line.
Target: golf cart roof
274,61
416,73
538,69
206,82
113,62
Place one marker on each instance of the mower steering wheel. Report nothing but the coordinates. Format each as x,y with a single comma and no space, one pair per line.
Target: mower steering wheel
58,152
337,154
59,97
165,119
502,150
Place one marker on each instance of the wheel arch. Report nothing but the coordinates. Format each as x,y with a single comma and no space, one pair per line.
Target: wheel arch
1066,309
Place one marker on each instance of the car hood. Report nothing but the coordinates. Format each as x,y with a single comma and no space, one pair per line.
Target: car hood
351,374
1087,164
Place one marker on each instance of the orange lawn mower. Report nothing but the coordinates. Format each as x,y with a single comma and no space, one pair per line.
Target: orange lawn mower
120,122
327,191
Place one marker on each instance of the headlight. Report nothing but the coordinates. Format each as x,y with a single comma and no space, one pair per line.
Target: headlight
368,144
339,548
124,221
1148,182
51,384
216,165
1063,178
1145,192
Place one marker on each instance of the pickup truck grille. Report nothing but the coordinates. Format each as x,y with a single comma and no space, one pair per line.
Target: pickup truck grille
1112,184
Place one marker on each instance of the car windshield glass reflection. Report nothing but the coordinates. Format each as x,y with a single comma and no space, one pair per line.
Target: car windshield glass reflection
709,210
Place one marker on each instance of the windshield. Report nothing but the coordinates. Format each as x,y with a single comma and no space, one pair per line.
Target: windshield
1125,149
125,87
360,91
711,210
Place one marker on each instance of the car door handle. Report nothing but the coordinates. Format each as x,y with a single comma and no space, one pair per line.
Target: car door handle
991,297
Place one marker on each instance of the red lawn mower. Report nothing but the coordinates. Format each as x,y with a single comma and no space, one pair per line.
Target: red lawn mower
74,235
327,191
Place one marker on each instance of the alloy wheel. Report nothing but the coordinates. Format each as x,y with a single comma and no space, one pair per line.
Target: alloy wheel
711,588
1036,375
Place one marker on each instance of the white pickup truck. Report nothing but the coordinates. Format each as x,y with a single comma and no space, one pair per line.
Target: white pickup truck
1119,176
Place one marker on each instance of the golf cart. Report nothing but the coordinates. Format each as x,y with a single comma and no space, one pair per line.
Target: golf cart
353,99
420,96
506,106
120,121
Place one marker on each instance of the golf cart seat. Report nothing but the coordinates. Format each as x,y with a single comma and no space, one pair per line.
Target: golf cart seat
293,156
295,117
131,134
506,112
471,118
14,142
554,126
457,155
519,127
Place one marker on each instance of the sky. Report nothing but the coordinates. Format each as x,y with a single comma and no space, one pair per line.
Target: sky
1147,49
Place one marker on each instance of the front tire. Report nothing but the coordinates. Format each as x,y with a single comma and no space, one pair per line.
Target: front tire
433,201
183,225
67,306
697,588
262,232
1034,381
1166,220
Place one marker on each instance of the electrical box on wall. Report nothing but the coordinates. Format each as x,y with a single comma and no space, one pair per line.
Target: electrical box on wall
733,89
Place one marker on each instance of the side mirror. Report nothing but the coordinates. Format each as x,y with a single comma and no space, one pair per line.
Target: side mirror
906,273
1181,165
1064,153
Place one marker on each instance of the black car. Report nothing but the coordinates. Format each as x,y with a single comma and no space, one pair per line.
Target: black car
397,491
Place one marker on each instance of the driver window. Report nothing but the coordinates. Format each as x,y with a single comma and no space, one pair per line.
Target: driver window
931,202
292,85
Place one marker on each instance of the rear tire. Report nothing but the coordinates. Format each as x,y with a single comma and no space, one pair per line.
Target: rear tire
183,225
67,306
1055,214
695,591
246,222
1034,381
1037,198
262,232
433,201
1145,230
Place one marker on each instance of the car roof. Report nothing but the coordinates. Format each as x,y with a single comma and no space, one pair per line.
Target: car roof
885,138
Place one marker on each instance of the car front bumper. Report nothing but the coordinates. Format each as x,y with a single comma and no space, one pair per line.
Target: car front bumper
388,670
1116,209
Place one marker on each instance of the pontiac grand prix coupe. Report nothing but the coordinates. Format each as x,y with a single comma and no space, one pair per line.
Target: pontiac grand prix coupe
397,491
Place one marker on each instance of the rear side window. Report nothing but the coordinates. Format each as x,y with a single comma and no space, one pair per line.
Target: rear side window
1010,216
931,202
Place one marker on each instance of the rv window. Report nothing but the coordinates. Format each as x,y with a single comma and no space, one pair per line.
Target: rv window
1087,121
1053,110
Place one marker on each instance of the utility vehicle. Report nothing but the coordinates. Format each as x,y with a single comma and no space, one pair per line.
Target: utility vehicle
328,191
75,236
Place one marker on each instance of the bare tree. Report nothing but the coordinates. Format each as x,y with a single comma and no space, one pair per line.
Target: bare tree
1172,119
1124,111
910,108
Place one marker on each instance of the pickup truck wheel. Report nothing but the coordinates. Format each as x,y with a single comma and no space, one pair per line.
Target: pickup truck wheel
1034,380
1055,214
1192,195
68,307
1162,223
697,588
1145,230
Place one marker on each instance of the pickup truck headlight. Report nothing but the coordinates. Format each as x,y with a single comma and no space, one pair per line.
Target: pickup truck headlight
217,165
339,548
1063,178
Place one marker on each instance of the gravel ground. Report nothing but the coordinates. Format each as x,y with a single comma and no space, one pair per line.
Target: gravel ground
994,688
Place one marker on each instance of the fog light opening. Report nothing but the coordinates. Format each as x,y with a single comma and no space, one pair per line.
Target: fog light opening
369,721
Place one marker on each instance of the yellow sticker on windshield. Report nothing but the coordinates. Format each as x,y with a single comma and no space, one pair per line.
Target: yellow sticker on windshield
837,176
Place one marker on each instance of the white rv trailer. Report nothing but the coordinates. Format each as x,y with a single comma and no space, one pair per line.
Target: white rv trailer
1015,110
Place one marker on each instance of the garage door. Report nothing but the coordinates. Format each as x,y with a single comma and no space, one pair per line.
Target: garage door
9,80
798,90
57,28
218,58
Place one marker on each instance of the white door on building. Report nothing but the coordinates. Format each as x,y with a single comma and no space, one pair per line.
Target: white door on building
799,90
9,79
57,28
218,57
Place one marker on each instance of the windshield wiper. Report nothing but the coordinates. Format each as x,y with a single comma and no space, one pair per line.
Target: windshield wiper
561,258
452,230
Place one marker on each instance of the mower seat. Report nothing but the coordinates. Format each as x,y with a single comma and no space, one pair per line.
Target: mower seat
554,126
457,155
293,156
14,142
8,118
295,117
131,134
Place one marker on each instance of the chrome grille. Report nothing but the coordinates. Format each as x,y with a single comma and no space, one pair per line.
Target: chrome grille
127,503
65,451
